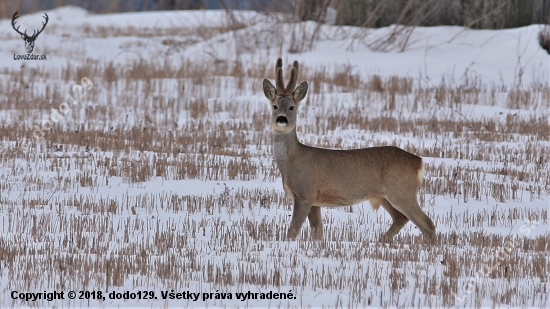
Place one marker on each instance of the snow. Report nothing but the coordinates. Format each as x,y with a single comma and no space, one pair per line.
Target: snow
453,56
511,56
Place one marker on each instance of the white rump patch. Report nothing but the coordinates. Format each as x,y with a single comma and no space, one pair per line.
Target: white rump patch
421,173
281,124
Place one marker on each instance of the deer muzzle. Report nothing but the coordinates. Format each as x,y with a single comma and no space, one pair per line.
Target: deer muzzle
282,121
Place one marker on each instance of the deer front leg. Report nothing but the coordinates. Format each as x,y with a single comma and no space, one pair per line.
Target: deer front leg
315,222
299,214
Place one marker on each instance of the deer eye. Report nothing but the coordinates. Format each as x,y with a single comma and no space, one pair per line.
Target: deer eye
291,108
274,106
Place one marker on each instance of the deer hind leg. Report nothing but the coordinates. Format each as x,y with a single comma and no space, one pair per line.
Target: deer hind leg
315,222
399,219
299,214
410,208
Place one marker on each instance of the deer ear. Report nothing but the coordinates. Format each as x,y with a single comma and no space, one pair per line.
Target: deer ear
269,90
300,92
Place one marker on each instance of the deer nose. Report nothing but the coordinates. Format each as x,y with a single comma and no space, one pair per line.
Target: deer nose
282,119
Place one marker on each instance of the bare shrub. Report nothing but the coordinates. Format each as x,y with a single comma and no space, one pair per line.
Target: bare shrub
397,35
544,38
304,35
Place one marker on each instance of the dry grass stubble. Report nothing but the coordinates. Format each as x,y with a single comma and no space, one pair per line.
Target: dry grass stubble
148,124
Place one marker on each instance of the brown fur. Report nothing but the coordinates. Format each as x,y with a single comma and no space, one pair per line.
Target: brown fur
328,197
314,177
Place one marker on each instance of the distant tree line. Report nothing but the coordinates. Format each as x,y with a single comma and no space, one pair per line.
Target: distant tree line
482,14
7,8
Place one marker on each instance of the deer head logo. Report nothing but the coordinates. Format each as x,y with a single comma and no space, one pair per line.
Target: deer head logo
29,40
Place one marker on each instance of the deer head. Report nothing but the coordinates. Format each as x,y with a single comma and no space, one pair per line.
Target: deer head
29,40
284,100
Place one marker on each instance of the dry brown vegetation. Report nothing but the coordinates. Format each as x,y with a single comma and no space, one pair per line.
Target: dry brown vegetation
97,203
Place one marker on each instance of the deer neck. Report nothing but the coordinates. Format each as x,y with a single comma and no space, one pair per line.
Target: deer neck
285,146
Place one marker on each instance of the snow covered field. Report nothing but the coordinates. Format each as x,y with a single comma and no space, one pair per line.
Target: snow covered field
158,176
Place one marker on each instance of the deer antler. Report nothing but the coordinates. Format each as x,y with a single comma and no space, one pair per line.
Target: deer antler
13,24
293,78
279,77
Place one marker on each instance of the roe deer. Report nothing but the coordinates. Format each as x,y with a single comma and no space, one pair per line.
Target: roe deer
314,177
